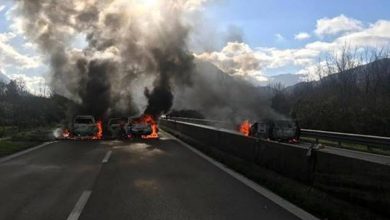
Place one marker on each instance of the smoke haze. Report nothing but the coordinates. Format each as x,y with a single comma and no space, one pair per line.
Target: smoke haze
135,58
126,40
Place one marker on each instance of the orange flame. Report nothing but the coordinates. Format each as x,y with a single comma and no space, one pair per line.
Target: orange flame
154,133
245,127
99,133
150,120
65,133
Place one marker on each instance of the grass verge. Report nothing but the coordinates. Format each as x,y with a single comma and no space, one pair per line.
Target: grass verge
8,147
23,140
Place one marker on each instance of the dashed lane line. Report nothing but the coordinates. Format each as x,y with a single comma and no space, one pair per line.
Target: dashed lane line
107,157
78,208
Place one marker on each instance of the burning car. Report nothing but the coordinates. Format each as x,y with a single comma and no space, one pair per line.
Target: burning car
144,126
281,130
117,127
85,126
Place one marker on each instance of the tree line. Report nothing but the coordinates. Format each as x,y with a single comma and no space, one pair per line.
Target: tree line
351,94
21,109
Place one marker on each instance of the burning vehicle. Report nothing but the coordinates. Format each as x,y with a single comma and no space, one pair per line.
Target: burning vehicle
117,127
85,126
245,128
144,126
278,130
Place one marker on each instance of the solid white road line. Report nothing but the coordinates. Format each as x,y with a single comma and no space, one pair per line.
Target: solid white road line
78,208
300,213
12,156
107,157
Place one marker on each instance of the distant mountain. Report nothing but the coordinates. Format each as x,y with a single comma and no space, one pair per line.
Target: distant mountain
286,79
220,96
4,78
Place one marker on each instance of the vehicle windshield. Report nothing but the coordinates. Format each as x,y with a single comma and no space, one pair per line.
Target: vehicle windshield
83,121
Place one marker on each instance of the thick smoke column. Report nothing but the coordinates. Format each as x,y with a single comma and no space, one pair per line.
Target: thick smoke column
126,42
179,64
96,92
133,59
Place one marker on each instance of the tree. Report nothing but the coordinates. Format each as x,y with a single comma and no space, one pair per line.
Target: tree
351,95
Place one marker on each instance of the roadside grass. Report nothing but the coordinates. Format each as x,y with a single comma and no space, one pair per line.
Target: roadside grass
8,147
38,134
19,141
358,147
6,131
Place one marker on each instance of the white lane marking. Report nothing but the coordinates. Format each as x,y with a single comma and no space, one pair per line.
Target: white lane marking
300,213
18,154
107,157
78,208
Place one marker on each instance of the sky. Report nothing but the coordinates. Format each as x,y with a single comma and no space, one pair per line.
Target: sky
256,39
262,20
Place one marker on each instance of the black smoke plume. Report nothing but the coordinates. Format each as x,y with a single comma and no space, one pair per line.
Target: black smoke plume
132,58
95,95
126,43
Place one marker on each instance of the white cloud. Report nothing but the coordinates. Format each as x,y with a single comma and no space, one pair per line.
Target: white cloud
253,63
376,35
16,22
36,85
236,59
239,59
336,25
4,37
9,56
279,37
30,45
2,7
302,36
195,4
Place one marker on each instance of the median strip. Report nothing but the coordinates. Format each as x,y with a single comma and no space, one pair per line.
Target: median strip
76,212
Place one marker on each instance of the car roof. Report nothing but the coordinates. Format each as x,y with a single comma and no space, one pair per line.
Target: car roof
84,116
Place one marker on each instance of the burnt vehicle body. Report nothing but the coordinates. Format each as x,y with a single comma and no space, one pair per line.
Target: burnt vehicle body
117,127
84,126
138,128
279,130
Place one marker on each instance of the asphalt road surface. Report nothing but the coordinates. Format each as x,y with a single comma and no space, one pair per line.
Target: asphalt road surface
151,179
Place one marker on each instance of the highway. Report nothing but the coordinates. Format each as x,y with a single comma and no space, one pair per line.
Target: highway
145,179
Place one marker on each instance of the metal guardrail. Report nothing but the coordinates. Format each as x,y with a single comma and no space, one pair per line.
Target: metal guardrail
367,140
195,120
346,137
216,123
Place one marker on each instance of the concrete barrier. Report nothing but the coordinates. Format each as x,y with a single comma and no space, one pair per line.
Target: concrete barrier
290,160
357,177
